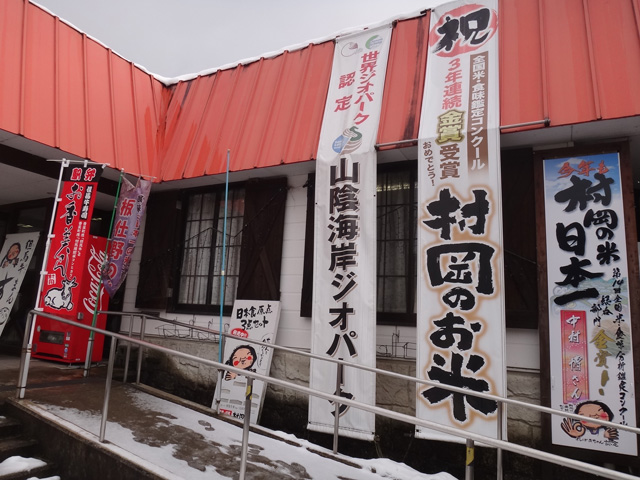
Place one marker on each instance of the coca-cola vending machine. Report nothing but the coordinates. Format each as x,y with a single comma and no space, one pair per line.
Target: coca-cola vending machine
75,299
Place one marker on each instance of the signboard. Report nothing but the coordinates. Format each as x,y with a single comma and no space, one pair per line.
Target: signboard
344,303
15,256
255,320
590,347
126,227
460,317
60,292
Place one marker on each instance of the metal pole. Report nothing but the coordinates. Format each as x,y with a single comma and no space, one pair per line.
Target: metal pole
468,470
143,326
107,389
128,355
245,427
336,411
218,392
499,469
87,362
224,252
43,271
25,358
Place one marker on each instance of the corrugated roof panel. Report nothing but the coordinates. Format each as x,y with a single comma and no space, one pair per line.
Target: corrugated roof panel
521,73
568,69
11,21
184,115
616,46
127,151
404,83
38,108
100,118
147,122
71,113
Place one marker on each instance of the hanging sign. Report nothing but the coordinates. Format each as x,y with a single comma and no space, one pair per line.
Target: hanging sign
15,256
253,320
590,347
126,227
60,293
460,318
344,305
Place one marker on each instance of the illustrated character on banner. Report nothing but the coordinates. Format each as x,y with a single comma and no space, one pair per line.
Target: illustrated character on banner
593,409
61,298
12,257
243,357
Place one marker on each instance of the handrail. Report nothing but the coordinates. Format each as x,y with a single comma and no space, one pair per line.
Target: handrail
500,444
399,376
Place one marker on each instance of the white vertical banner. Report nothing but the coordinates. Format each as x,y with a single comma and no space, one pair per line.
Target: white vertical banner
344,293
15,257
460,320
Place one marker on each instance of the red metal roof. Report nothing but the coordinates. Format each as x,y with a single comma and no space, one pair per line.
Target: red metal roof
571,62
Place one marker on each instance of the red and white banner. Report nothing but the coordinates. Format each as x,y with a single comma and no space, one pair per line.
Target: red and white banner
590,345
126,227
344,294
60,292
460,319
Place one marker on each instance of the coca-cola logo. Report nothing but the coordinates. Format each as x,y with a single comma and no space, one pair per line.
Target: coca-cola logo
94,266
239,332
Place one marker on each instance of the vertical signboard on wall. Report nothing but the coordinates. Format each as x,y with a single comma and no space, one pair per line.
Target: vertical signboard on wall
344,306
590,347
254,320
460,319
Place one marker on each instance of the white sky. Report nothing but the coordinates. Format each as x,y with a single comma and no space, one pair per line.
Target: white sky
177,37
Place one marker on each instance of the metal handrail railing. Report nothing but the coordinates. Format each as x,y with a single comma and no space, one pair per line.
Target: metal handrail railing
251,376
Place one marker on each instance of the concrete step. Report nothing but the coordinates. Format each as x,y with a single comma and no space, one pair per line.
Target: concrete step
27,472
17,446
9,427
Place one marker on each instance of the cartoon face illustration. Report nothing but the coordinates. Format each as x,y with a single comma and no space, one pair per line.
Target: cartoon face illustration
11,258
593,409
242,357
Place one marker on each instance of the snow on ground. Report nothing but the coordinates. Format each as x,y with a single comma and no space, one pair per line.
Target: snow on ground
19,464
270,454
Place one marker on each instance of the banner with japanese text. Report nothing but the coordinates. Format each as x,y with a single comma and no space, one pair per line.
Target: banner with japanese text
460,319
254,320
15,257
126,227
68,248
344,291
590,347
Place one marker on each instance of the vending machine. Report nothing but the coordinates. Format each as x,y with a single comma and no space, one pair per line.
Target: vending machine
74,299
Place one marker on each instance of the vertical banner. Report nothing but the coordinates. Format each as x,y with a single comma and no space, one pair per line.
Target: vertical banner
460,320
130,210
69,242
254,320
590,347
344,306
15,256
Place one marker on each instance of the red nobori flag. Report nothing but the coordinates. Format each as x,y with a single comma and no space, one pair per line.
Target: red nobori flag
69,242
131,207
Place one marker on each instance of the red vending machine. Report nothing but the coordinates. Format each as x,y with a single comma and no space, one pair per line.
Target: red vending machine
75,299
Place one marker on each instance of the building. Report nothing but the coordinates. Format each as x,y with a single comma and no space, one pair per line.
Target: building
568,80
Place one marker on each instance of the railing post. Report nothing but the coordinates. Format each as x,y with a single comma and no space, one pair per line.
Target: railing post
143,326
25,357
470,457
128,355
336,411
218,391
499,469
107,388
245,427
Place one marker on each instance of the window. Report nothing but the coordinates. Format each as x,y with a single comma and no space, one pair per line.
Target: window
200,274
396,244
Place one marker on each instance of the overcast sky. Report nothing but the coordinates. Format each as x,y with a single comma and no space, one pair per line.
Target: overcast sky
178,37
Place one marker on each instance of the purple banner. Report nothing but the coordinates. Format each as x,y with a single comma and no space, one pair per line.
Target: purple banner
131,206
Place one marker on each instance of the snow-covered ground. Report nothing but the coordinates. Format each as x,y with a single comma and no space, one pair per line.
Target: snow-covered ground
213,447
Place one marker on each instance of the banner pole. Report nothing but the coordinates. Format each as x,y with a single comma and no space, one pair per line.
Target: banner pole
43,271
216,399
87,362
